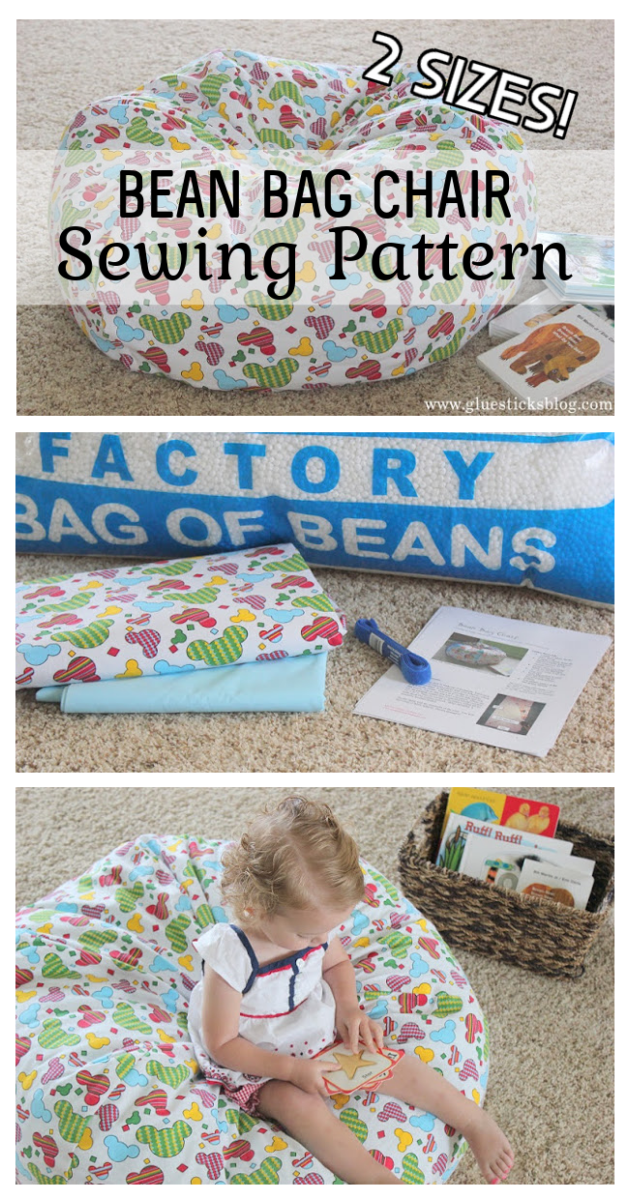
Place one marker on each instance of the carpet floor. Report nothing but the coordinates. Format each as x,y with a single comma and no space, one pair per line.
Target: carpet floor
551,1079
334,740
75,61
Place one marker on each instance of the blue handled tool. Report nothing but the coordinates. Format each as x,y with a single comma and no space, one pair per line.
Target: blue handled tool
414,668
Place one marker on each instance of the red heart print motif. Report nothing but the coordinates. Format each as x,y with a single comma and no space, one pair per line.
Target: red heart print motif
147,639
157,1099
200,615
323,627
148,1174
113,875
371,895
169,584
213,1162
128,958
322,326
95,1086
160,909
395,982
410,1031
392,1112
262,338
212,350
81,668
257,602
374,226
107,1116
372,301
44,591
299,581
48,1147
55,1070
89,958
62,619
369,370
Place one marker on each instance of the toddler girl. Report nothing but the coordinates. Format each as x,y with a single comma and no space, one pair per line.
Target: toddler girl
277,985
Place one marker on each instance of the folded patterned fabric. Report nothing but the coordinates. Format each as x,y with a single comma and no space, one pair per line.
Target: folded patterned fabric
165,618
289,685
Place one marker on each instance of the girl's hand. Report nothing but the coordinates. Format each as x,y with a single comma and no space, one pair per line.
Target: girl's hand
307,1074
355,1026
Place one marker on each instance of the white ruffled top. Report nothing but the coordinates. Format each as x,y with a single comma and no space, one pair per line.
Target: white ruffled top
286,1004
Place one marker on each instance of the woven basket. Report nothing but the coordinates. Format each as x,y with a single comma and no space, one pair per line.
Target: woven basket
525,931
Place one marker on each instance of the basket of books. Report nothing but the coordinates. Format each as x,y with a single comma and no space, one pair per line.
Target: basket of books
505,877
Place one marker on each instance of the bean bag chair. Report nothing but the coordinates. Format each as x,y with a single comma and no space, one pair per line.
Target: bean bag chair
237,110
475,654
108,1088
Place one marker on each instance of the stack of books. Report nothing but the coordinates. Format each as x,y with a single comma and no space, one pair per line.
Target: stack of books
562,338
509,842
557,353
589,262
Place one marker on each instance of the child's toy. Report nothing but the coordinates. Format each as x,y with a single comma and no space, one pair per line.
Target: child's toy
108,1089
363,1069
414,668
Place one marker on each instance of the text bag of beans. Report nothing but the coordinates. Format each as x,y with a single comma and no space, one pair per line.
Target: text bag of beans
519,509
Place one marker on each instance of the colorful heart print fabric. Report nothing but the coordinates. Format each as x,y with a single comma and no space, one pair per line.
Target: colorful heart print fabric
108,1089
237,110
165,617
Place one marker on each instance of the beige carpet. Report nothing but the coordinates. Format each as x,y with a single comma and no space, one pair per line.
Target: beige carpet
334,740
80,60
551,1079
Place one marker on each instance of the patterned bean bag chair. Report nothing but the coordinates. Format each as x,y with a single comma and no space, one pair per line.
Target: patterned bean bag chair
107,1085
236,110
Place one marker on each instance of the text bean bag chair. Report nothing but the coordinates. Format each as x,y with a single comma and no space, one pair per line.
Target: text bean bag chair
108,1088
234,110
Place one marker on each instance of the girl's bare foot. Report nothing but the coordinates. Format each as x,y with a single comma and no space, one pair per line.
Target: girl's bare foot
489,1146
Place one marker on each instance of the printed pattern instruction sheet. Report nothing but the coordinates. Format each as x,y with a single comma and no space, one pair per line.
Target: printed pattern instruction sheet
494,680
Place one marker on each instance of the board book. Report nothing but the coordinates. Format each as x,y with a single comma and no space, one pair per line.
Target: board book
459,828
537,310
363,1070
502,866
553,881
589,262
528,816
558,357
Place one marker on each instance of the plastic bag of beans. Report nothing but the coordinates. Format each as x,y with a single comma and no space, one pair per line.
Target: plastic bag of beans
520,509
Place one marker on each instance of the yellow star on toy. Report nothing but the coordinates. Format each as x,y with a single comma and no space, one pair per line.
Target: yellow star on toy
350,1063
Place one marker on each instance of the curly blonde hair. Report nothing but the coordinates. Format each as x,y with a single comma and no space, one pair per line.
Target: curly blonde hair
289,857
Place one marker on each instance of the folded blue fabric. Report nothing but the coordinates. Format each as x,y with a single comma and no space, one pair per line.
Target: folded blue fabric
282,685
